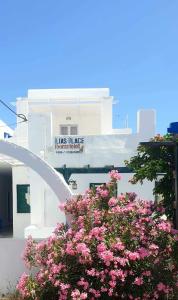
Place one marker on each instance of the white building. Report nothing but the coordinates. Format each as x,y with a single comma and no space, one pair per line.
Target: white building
5,131
72,130
6,214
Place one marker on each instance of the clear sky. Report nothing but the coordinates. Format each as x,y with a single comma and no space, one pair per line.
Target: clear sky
130,46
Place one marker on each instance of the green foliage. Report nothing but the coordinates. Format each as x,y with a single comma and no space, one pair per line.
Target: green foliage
151,162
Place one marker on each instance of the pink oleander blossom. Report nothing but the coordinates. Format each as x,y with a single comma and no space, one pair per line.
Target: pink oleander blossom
112,202
138,281
117,247
115,175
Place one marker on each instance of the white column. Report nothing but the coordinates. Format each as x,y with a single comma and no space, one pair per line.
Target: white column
36,199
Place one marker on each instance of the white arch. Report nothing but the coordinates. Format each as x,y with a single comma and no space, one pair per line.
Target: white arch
48,173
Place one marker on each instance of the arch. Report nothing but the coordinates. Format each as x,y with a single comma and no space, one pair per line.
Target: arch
55,180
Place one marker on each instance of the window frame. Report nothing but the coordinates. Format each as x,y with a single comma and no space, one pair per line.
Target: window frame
68,126
22,206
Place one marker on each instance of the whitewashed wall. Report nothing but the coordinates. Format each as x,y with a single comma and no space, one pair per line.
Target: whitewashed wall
41,94
20,220
44,204
21,132
106,116
144,191
99,150
11,264
5,129
81,115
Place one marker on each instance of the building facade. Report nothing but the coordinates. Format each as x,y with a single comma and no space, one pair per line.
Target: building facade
72,130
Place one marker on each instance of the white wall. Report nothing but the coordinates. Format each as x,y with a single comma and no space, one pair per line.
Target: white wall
39,132
11,263
5,129
90,117
90,109
81,115
106,116
67,93
144,191
44,204
99,151
146,123
20,220
21,131
52,213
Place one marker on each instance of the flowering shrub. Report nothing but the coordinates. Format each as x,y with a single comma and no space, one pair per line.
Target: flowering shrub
151,160
116,248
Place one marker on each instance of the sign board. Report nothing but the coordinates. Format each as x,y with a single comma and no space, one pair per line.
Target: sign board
69,144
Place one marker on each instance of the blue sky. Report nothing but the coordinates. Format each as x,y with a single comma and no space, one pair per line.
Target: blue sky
129,46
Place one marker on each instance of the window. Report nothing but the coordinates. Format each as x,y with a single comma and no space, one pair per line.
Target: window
68,129
64,130
23,198
73,130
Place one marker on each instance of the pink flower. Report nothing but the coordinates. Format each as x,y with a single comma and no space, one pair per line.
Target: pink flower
143,252
101,247
83,249
69,249
75,294
164,226
91,272
121,260
97,232
114,174
104,193
161,287
138,281
96,293
119,245
23,281
112,283
107,257
83,296
64,286
112,202
146,273
121,197
82,282
133,255
154,248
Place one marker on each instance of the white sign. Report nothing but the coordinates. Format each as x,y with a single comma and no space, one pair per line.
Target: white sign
69,144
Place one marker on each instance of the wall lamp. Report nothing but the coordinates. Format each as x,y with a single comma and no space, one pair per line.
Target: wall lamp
73,184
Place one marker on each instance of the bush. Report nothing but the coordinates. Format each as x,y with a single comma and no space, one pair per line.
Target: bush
116,248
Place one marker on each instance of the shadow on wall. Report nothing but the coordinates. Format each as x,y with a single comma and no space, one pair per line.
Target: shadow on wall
6,206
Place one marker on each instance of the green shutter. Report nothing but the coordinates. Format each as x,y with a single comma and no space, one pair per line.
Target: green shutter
22,205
